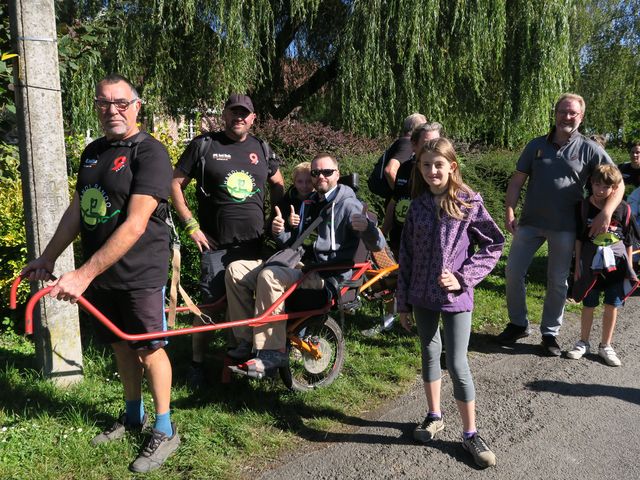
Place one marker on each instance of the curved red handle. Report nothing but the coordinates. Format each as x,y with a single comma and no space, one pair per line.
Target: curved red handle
13,295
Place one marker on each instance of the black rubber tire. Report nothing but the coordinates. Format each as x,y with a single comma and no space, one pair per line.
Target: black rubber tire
300,376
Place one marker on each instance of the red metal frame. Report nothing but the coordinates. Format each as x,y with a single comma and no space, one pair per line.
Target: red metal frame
266,317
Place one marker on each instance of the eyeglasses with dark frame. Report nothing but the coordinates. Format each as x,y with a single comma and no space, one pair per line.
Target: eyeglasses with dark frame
326,172
120,104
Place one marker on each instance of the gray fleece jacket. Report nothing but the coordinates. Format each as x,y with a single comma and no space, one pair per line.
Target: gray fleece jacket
336,241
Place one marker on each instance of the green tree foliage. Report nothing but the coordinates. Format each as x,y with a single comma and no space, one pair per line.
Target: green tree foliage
610,67
488,69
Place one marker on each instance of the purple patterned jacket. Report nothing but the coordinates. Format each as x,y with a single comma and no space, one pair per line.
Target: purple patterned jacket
469,248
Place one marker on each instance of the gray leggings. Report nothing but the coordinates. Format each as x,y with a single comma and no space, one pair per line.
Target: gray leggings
457,329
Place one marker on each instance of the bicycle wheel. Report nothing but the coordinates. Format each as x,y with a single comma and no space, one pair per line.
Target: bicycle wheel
308,371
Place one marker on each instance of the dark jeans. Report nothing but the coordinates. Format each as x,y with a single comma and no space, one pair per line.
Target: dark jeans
213,264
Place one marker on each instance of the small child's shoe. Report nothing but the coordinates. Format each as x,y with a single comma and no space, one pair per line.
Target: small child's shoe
609,356
579,350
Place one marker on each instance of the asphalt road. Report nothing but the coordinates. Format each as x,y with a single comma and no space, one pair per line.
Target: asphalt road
545,418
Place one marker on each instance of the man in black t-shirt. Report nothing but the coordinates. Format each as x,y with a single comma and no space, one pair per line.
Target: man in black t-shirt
400,151
119,209
231,169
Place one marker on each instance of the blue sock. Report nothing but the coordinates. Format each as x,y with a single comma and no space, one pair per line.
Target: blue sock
436,415
134,410
163,423
468,435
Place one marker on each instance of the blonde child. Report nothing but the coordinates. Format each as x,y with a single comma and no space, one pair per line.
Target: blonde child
449,244
292,205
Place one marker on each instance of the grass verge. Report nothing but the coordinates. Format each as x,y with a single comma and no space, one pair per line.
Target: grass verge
45,431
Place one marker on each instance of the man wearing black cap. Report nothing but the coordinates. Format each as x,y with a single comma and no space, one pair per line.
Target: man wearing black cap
231,169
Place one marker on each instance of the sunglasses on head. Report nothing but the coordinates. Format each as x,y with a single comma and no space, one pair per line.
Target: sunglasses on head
326,172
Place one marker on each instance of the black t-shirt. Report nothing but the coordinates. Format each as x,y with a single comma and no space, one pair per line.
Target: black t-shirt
630,175
402,198
109,174
401,150
230,191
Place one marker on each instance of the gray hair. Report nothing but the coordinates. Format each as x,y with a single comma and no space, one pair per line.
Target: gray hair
425,127
411,122
117,78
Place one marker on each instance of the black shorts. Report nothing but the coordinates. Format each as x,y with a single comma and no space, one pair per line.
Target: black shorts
132,311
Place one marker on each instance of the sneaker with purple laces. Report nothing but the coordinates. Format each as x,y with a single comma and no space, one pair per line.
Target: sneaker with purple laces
479,450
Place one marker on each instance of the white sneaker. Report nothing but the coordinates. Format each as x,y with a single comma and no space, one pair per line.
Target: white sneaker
609,356
579,350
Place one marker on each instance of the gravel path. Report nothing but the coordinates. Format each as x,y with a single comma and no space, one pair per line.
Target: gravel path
545,418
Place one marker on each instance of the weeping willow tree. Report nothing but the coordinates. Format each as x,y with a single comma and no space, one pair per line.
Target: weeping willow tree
610,68
487,69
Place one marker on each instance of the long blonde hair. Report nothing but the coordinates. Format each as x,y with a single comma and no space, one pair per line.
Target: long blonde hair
449,203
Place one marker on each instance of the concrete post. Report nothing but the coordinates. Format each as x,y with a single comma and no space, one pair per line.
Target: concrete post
44,176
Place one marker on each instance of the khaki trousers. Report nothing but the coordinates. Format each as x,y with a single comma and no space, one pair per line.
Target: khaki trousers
251,289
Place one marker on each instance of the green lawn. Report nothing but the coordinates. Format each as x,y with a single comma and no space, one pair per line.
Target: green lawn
45,431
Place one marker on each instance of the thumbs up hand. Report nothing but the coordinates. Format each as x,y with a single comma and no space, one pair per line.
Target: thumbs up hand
294,218
359,221
277,226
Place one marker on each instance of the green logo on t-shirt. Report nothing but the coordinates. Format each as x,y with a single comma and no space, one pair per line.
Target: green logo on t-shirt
402,207
240,185
93,207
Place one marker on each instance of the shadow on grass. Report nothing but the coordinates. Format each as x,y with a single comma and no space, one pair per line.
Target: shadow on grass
627,394
16,359
33,395
291,410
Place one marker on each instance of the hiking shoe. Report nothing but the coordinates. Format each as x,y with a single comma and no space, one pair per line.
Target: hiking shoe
242,351
157,449
264,363
196,378
550,346
511,333
579,350
478,448
609,356
426,431
118,429
385,325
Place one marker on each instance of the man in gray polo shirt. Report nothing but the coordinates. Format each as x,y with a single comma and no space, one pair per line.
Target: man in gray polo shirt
558,167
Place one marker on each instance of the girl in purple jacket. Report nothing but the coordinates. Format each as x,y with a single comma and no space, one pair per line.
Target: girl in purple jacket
449,244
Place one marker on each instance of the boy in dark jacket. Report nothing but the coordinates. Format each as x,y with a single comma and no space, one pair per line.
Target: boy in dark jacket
603,263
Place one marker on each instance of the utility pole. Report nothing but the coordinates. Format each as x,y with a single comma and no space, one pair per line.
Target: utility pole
44,176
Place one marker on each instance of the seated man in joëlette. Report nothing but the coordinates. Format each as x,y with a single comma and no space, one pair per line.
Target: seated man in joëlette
336,239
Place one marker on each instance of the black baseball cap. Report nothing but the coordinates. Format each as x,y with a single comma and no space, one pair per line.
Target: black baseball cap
237,100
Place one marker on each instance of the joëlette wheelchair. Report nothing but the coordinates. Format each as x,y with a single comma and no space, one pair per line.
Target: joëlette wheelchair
315,344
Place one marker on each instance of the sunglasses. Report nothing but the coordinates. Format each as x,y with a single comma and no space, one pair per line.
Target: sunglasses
121,105
326,172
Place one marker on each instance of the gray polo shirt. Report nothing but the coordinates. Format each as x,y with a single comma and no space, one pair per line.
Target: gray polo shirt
557,177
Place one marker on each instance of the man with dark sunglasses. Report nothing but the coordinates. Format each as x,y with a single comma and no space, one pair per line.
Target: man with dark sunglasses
119,210
231,169
252,287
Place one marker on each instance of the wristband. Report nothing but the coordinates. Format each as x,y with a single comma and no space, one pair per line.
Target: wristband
191,226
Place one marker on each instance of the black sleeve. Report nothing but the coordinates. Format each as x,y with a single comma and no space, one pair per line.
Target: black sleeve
188,161
152,170
400,150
